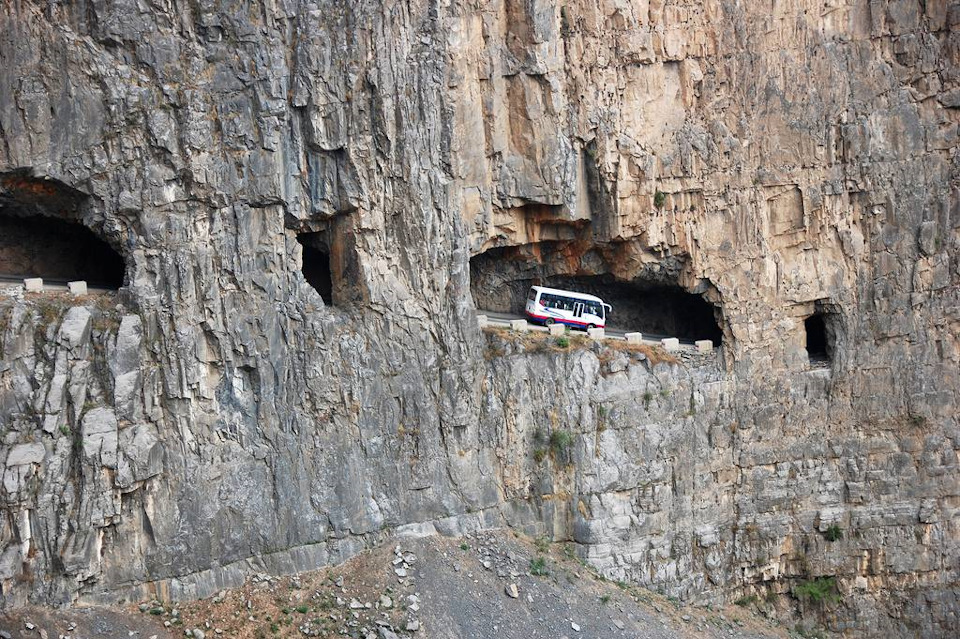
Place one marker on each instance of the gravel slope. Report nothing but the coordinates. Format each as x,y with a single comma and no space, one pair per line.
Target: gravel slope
428,588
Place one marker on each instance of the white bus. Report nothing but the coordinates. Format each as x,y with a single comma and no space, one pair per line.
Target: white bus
556,306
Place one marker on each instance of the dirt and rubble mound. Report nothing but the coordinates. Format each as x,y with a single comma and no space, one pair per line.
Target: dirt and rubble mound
486,584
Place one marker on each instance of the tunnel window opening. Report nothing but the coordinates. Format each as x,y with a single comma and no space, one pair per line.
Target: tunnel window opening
650,307
818,343
316,264
56,250
500,279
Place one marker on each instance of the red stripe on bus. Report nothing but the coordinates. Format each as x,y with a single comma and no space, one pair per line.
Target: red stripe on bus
559,320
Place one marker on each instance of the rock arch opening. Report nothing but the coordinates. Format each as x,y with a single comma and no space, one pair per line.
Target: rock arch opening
649,300
329,261
651,307
41,235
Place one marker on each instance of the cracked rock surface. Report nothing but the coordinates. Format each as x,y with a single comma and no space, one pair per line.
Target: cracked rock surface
218,417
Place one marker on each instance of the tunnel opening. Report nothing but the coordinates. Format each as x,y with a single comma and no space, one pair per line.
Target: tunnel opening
650,307
316,265
651,301
819,341
330,261
41,235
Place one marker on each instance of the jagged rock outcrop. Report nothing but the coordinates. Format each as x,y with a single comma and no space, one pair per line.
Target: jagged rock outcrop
218,415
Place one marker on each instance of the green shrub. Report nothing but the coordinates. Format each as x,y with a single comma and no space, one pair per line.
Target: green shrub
303,609
538,567
560,441
542,544
833,533
821,589
659,198
743,602
563,341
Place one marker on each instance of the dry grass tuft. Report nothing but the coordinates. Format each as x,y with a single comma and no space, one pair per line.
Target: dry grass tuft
538,342
655,354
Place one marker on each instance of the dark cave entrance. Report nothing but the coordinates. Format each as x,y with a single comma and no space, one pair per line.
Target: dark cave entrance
330,261
649,307
656,305
41,235
316,265
819,338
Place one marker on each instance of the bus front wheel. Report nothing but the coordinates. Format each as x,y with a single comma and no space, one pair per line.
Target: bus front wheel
548,321
589,326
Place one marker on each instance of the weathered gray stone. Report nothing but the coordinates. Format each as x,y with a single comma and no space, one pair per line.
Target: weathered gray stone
32,453
100,436
75,328
259,424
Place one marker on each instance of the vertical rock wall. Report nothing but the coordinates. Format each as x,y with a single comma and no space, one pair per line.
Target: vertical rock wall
217,416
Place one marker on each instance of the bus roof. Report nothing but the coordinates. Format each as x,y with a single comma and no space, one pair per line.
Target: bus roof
560,291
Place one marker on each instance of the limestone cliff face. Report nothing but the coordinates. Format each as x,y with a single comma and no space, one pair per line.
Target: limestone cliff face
217,415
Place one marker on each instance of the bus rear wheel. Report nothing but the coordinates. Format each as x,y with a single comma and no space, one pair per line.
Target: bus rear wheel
589,326
548,321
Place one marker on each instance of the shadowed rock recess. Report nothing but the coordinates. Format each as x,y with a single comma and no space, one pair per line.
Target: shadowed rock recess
292,372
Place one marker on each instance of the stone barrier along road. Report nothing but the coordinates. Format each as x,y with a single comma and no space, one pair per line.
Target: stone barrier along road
51,286
519,325
506,320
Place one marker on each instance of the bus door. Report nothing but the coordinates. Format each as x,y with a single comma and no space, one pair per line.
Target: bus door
578,309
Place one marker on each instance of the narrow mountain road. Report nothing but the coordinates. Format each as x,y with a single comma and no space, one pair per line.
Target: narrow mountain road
497,318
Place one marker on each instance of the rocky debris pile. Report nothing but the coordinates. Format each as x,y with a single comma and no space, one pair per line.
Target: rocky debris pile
484,584
92,622
378,601
394,611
